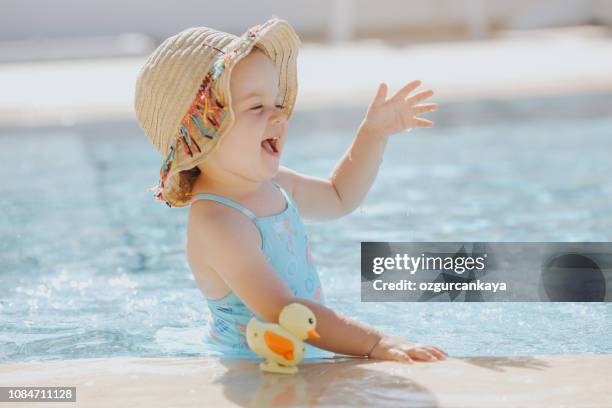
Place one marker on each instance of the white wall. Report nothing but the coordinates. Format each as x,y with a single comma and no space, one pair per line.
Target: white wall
23,19
604,11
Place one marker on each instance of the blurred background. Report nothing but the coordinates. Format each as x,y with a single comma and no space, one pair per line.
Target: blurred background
91,265
86,53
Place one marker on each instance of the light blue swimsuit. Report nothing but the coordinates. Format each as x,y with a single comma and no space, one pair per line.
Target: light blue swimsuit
286,247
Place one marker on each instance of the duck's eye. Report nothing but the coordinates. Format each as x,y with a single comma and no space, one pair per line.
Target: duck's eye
310,320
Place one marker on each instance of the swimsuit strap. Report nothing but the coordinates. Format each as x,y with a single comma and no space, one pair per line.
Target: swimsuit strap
239,207
227,201
282,190
233,204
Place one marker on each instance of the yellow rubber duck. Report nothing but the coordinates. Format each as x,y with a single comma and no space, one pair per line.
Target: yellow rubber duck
282,344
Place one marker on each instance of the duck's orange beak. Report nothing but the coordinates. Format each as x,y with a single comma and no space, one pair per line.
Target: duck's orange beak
313,335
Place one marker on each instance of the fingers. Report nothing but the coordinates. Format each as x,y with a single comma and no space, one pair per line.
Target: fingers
402,93
437,353
426,353
380,96
425,108
401,356
444,353
424,123
421,96
423,354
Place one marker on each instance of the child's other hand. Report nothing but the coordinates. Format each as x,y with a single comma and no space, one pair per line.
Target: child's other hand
388,116
400,349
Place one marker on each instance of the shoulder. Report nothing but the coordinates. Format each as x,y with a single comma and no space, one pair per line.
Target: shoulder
286,177
213,226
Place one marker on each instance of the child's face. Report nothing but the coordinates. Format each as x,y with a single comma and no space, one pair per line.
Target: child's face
258,116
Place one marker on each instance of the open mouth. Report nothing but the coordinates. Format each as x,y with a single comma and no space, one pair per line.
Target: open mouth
270,145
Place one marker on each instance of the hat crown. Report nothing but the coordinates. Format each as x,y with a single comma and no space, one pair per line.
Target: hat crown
169,80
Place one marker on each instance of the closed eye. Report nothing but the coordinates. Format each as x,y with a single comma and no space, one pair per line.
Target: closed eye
261,106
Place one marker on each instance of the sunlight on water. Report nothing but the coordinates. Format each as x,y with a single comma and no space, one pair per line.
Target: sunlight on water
93,267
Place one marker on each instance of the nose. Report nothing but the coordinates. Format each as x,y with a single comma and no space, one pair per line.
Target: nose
277,116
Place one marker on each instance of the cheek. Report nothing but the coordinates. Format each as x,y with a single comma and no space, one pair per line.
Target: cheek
249,127
243,140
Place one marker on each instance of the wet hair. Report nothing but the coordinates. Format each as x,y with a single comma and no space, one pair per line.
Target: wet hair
187,179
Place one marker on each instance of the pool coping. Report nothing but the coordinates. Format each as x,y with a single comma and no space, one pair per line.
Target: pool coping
501,381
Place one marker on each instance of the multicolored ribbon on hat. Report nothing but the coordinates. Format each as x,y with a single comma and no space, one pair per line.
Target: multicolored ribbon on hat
206,111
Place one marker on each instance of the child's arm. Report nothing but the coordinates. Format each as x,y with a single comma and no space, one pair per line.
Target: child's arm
346,336
351,179
229,243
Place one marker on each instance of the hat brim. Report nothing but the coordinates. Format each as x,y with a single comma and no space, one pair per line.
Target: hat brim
280,42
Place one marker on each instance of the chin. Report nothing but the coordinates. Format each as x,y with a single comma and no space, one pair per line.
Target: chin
269,168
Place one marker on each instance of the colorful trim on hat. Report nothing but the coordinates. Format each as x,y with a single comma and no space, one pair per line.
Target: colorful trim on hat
206,112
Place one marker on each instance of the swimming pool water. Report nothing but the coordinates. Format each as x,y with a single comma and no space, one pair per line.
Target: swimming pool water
91,266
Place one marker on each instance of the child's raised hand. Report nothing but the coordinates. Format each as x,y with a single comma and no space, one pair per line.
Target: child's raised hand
388,116
400,349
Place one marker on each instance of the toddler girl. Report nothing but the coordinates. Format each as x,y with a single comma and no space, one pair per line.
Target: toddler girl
217,107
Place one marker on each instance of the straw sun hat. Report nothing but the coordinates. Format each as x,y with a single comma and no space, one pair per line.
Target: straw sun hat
183,100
